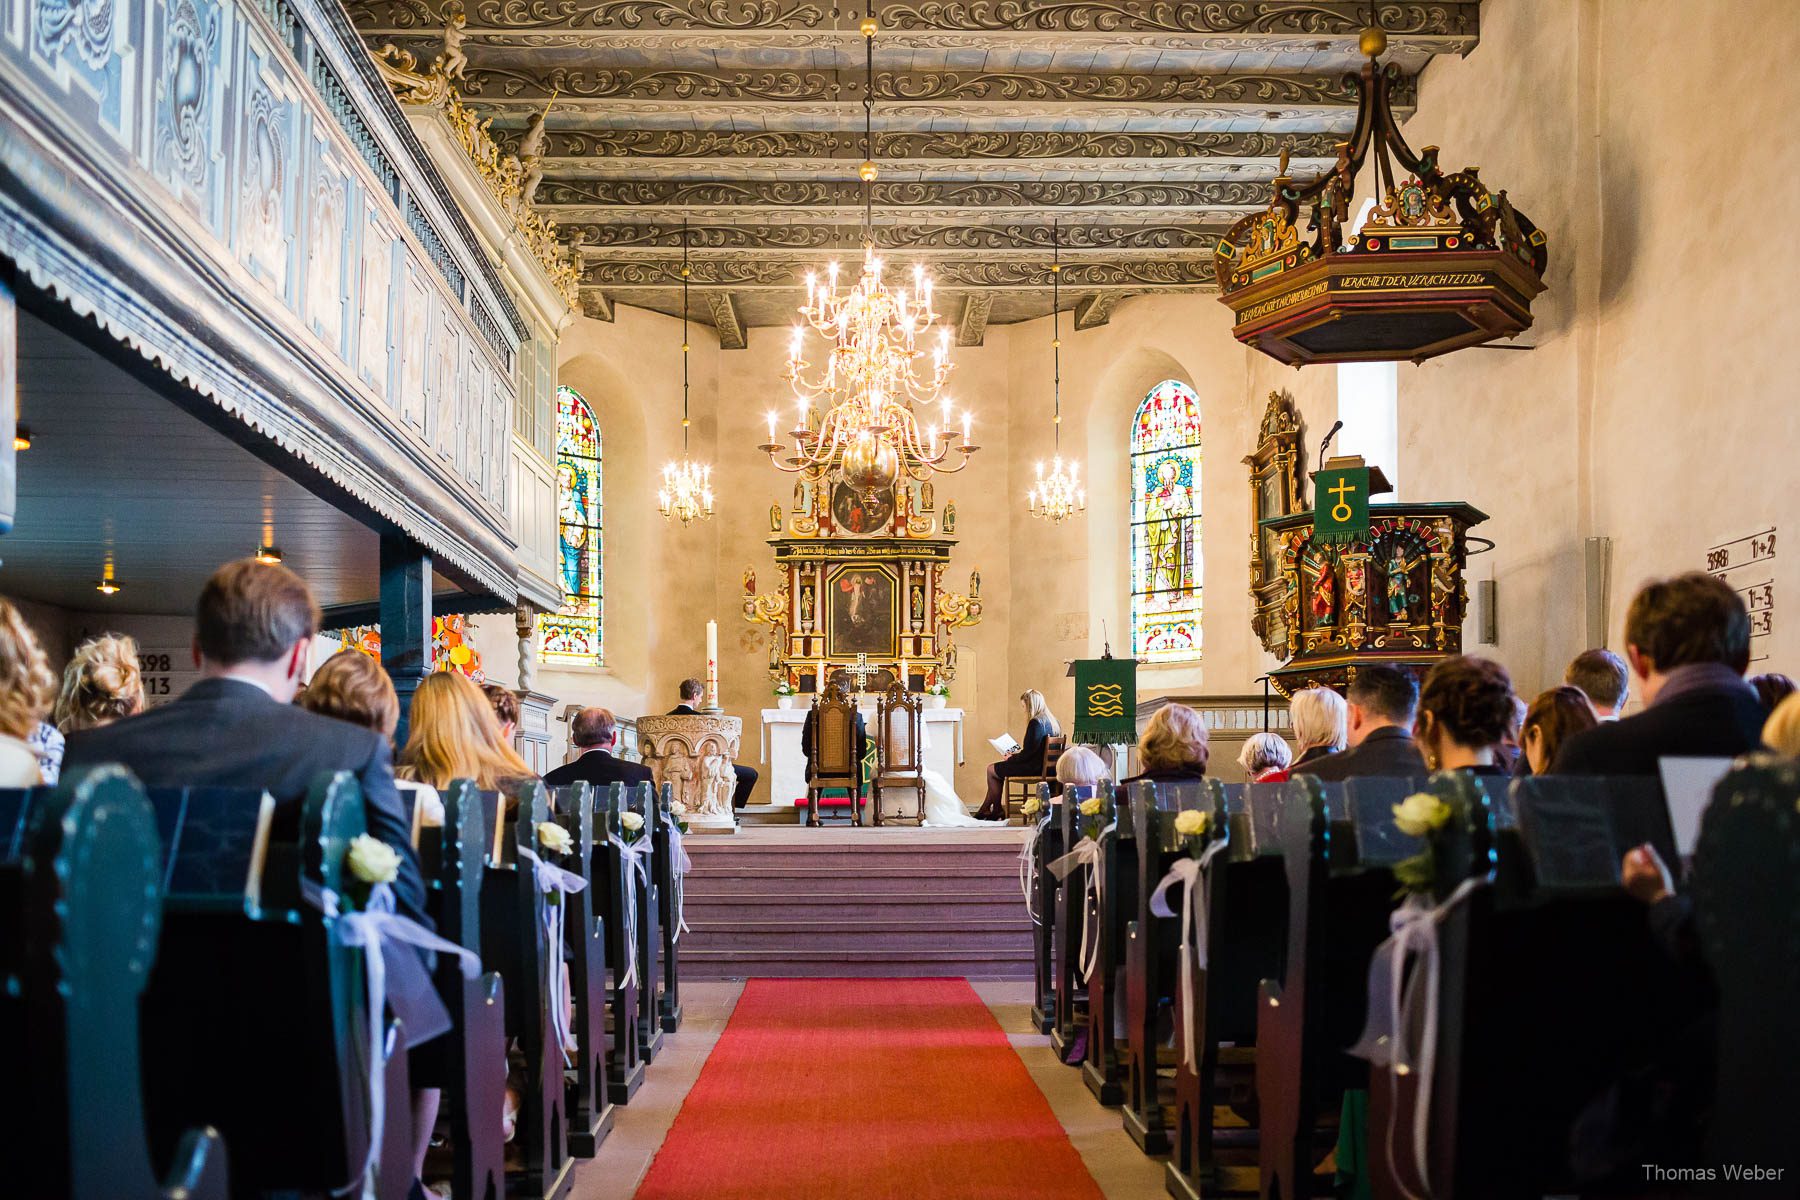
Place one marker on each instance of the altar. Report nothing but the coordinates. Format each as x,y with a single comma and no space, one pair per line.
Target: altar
780,747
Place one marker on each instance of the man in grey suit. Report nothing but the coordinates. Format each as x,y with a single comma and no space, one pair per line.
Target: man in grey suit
1382,704
238,726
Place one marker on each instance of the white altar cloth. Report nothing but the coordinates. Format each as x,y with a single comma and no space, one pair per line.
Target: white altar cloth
781,746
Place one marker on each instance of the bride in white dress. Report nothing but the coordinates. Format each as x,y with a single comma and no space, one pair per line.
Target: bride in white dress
943,810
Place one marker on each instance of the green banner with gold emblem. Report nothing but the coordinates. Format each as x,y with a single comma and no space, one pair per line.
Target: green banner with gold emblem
1105,701
1340,504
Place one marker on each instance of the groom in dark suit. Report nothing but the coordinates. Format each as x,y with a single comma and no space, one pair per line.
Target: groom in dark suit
691,691
238,726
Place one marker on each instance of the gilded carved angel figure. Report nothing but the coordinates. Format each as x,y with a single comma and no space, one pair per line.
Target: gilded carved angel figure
455,62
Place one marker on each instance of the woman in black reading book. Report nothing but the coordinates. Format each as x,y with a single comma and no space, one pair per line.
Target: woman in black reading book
1024,763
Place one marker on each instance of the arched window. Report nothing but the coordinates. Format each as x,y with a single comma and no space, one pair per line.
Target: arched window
1165,525
574,635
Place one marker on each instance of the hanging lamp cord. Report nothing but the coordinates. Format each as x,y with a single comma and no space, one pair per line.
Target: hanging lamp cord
869,126
685,272
1056,324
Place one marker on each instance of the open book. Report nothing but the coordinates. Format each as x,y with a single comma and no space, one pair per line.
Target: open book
1005,744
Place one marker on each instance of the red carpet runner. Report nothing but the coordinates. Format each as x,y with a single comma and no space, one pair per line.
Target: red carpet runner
878,1089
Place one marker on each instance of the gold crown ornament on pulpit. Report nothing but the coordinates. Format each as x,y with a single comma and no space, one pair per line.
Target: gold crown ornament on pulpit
1440,263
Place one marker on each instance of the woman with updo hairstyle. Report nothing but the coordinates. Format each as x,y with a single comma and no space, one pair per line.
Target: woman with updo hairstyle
1174,746
26,688
1465,707
353,687
101,684
1553,718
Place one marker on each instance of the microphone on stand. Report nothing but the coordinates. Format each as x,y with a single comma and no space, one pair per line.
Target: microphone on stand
1329,434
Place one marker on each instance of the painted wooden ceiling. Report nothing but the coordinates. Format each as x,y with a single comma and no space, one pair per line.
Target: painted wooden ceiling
1133,131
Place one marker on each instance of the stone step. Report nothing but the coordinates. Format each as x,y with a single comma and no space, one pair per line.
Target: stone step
989,898
823,939
803,884
701,963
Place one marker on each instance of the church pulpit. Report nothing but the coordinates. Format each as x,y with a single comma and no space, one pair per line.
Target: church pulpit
694,756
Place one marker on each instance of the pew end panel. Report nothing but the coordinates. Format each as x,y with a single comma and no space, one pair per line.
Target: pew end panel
1041,901
612,874
642,800
669,868
1115,900
590,1112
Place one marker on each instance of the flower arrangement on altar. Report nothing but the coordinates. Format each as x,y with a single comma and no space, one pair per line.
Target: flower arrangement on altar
938,687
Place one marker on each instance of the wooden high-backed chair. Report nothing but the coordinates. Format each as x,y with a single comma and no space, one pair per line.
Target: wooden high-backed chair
1024,787
834,763
899,718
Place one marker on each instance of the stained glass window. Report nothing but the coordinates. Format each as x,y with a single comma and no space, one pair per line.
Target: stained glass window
573,635
1165,525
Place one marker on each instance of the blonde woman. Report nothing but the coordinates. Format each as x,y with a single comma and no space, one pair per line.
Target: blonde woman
1321,725
1781,733
1026,761
101,684
26,688
454,734
1174,746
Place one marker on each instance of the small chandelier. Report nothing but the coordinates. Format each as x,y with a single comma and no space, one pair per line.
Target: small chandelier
1058,495
875,373
686,492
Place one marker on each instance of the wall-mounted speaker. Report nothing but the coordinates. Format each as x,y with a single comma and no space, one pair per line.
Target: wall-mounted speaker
1487,615
1597,581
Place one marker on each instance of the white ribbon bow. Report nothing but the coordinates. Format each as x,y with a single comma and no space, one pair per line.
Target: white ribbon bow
679,865
1190,874
554,882
632,855
1400,1007
1028,854
1087,853
368,930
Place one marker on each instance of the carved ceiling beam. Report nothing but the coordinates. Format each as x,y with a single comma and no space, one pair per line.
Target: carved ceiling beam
762,272
596,304
826,241
610,201
725,321
1254,25
971,327
1095,310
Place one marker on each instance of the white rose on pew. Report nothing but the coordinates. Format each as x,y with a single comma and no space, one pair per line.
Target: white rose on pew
554,837
676,809
1091,807
631,822
1190,822
1420,814
372,860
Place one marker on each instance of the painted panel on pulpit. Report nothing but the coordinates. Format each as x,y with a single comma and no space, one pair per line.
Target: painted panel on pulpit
861,607
1165,525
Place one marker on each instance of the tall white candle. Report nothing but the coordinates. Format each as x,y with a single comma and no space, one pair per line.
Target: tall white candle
712,664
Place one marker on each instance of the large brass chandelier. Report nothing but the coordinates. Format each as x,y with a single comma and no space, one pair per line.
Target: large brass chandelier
1057,495
857,413
686,491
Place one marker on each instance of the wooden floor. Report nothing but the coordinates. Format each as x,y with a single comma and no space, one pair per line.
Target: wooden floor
1117,1165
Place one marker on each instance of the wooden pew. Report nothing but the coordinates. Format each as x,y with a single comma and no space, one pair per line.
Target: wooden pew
1747,902
667,875
642,800
1151,958
1551,989
615,884
1046,850
1339,846
1103,1068
472,1057
255,1016
1215,1119
80,875
516,942
590,1108
1070,917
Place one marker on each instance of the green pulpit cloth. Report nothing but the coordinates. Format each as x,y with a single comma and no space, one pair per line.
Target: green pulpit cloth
1340,504
1105,701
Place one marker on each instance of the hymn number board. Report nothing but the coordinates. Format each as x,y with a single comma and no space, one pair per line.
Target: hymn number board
1748,564
167,672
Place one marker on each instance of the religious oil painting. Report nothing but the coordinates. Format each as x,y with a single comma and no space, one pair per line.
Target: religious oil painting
860,607
1165,525
857,513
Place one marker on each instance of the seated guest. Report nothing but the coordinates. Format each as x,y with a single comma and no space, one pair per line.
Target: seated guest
452,733
237,727
1025,762
1319,726
595,732
1604,679
1781,732
1265,758
1688,641
26,688
1553,718
1381,703
1512,750
1081,767
1465,707
691,691
1174,746
1772,688
840,684
101,684
352,687
505,703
